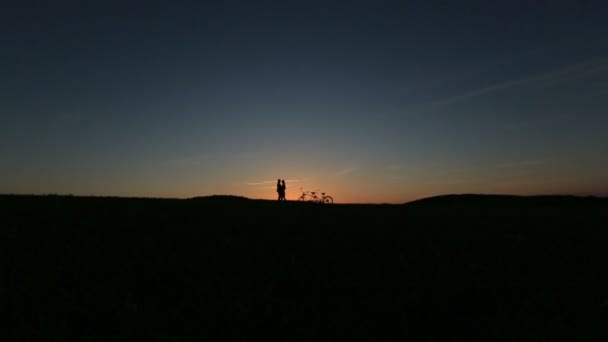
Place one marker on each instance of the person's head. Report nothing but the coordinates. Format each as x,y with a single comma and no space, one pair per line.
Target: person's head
283,181
278,181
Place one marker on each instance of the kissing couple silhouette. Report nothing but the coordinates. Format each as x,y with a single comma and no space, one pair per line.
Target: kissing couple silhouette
281,189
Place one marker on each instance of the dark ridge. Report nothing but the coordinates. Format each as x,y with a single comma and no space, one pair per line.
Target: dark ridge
124,198
486,267
434,201
226,198
80,197
481,199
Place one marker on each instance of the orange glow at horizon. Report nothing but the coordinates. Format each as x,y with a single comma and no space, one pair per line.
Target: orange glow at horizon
364,183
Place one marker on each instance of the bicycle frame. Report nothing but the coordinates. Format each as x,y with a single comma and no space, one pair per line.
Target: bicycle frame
311,196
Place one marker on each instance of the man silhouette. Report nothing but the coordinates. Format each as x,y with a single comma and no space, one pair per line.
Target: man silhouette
283,187
279,189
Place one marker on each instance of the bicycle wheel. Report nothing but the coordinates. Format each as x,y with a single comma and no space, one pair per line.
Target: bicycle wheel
328,200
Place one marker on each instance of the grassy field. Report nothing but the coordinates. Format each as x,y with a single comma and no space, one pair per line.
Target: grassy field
445,268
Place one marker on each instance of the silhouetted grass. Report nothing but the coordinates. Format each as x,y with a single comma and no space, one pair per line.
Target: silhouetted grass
451,267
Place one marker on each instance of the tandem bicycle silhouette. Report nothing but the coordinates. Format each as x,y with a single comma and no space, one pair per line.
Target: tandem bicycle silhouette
311,196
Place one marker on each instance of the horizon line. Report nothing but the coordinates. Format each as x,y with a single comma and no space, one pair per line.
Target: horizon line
599,196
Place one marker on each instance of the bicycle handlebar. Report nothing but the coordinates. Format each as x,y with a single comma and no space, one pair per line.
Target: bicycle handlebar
309,191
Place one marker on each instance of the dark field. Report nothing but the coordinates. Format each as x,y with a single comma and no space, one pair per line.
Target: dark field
448,268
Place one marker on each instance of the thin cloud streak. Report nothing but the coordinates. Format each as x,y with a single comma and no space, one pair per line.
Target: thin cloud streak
273,181
522,163
261,182
345,172
264,187
562,74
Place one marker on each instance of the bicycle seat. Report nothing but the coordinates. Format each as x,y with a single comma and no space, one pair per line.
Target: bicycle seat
323,193
313,192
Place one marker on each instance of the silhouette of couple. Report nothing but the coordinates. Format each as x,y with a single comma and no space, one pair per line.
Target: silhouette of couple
281,189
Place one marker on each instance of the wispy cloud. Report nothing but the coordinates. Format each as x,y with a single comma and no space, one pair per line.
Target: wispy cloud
264,182
265,187
479,69
394,167
261,182
530,122
562,74
521,163
346,171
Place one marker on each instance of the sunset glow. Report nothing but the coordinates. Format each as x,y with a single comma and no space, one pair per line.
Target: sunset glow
371,104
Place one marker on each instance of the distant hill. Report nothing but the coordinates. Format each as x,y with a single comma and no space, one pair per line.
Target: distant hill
481,199
440,200
220,198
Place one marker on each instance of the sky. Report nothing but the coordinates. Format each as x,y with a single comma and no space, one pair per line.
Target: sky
369,101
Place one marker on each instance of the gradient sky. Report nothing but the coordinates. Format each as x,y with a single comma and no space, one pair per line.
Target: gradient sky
370,101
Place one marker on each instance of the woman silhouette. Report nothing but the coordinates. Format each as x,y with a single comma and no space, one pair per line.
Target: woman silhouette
279,189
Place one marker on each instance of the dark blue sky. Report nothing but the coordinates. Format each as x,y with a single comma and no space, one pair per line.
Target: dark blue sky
370,100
